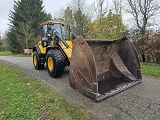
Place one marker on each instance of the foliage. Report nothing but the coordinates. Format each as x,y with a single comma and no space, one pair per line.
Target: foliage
150,45
143,11
68,16
81,22
24,21
1,47
23,97
4,45
14,44
109,27
152,48
75,16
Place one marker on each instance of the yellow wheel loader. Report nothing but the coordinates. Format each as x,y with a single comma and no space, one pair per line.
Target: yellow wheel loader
97,68
53,49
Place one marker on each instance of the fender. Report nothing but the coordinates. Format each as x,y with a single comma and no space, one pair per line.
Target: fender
41,57
36,48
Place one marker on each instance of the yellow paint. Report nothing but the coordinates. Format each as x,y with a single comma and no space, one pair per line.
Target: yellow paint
51,22
34,60
66,50
50,64
52,42
32,54
42,49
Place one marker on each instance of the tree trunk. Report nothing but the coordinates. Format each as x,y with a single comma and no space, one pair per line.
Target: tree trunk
143,58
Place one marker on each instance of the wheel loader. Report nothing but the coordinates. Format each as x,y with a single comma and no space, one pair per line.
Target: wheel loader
53,49
97,68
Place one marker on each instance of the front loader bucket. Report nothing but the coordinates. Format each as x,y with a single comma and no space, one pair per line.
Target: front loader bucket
102,68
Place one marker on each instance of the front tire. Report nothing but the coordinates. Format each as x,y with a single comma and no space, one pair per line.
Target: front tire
36,61
55,62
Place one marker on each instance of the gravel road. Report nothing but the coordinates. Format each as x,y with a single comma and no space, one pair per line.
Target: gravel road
141,102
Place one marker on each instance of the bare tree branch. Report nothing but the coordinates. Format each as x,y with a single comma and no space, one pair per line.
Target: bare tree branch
142,11
101,8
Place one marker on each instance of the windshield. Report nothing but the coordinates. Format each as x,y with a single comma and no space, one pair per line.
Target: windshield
59,28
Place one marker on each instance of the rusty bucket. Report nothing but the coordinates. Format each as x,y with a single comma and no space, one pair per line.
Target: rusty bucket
102,68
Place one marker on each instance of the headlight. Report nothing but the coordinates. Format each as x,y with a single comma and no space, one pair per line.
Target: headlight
48,35
44,43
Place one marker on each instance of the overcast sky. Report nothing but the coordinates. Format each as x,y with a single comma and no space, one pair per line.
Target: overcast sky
51,6
7,5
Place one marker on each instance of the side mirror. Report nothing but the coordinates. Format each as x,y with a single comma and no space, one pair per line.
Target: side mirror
50,31
42,32
41,27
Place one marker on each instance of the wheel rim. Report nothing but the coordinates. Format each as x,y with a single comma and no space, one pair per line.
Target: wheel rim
34,60
50,64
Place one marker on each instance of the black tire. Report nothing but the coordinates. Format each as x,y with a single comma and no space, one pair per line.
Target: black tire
55,62
36,61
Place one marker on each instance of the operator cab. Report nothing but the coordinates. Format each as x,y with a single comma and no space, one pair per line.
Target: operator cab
47,29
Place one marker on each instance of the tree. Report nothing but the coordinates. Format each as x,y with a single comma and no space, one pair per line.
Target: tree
4,44
24,21
109,28
101,9
80,17
15,46
81,22
68,16
118,11
76,17
142,11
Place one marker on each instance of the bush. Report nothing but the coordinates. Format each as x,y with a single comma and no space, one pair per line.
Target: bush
4,45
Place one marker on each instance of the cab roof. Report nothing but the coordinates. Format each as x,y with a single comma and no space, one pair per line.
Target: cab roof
52,22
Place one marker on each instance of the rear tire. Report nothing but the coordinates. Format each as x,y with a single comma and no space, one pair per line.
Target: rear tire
55,62
36,61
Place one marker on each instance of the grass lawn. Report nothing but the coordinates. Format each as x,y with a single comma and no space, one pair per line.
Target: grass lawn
6,53
23,98
150,69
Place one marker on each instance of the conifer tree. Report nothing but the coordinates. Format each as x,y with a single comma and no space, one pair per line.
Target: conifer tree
24,21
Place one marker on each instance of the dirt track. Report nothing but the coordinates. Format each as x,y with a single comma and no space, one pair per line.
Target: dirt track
141,102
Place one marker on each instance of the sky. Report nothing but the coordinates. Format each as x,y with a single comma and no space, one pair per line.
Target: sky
7,5
51,6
